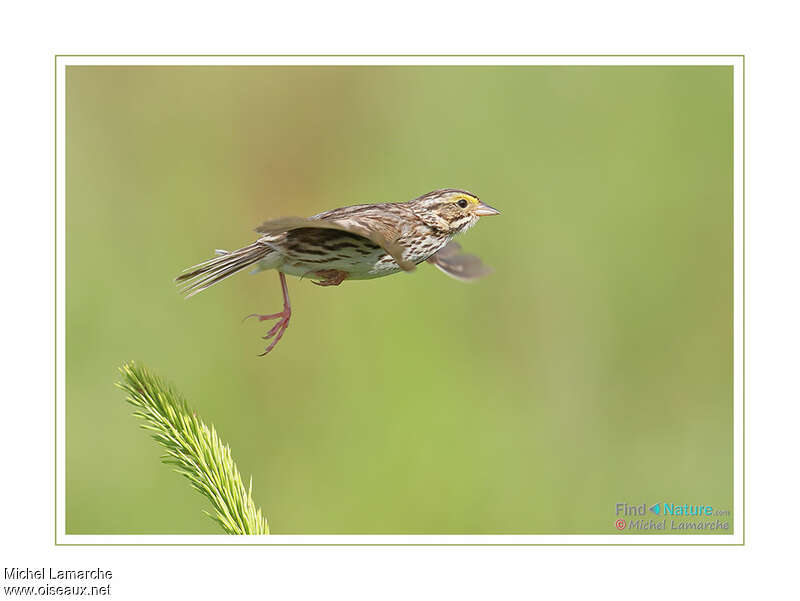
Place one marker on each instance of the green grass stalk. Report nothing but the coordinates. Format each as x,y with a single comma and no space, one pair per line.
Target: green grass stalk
194,450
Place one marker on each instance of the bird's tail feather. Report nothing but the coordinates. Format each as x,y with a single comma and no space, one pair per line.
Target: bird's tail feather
198,278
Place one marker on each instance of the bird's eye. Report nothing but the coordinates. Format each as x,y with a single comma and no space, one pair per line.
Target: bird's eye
462,203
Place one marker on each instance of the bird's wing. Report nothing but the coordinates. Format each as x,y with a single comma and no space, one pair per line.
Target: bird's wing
376,234
458,265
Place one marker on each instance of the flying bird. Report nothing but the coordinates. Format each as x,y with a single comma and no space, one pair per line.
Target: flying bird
359,242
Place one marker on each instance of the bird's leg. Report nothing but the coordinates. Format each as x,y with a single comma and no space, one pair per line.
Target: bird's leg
283,318
330,277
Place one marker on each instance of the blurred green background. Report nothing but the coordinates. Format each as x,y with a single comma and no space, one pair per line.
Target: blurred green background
593,367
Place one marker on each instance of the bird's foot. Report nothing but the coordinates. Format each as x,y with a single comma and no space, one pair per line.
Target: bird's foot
276,331
283,318
330,277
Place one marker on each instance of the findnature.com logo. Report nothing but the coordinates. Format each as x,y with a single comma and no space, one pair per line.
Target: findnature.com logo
671,517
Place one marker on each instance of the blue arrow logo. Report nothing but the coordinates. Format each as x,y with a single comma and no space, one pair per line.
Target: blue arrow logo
655,508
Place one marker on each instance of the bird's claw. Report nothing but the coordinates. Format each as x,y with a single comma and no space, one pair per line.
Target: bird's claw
264,317
282,324
277,330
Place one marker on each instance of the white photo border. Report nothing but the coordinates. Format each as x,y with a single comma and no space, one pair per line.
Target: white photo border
737,537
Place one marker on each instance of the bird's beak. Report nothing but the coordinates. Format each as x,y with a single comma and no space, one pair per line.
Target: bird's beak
485,210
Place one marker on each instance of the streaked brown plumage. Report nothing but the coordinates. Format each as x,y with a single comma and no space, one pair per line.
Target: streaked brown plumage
356,243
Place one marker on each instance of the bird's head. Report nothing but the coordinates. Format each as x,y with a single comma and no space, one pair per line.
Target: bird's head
450,210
